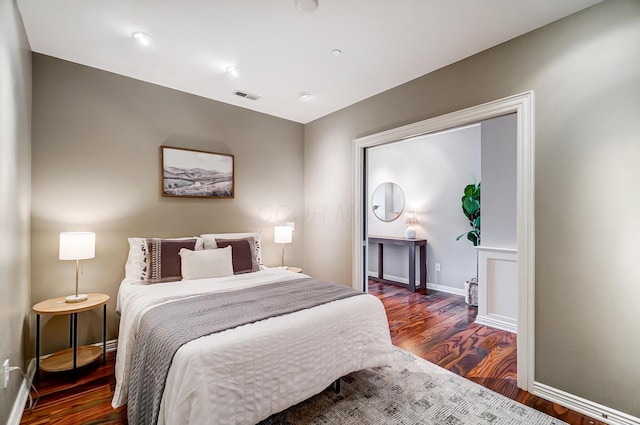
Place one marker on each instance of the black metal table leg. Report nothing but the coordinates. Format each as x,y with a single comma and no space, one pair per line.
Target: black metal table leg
37,347
71,331
75,344
104,334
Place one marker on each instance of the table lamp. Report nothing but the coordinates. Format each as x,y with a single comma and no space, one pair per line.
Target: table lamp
77,246
410,218
283,235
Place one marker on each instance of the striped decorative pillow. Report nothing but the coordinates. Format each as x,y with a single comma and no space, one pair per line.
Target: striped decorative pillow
137,266
163,257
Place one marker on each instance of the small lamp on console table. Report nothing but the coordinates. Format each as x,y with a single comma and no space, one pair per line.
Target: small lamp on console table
410,218
283,235
77,246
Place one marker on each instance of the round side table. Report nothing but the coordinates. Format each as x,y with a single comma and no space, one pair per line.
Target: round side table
73,357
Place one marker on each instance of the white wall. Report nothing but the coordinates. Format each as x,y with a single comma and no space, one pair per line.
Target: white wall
432,170
15,194
499,192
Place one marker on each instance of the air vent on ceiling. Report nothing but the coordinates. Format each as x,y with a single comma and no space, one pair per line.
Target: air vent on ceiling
246,95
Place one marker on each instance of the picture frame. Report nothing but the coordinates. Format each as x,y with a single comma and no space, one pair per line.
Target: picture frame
190,173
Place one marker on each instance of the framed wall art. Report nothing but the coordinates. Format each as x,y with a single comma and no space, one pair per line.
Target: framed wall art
196,174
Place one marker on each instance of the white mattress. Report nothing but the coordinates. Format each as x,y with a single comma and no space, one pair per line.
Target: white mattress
245,374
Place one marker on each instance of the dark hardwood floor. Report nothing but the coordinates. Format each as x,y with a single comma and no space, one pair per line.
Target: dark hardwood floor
86,401
438,327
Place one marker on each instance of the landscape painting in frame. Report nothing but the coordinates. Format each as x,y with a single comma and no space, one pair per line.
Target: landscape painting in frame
196,174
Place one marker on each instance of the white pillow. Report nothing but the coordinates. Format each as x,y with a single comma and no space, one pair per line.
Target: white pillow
136,262
206,263
210,242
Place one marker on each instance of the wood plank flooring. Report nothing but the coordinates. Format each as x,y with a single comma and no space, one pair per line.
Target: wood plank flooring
438,327
85,401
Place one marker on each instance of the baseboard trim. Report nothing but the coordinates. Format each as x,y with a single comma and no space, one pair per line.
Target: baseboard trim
112,344
23,393
495,323
581,405
434,286
447,289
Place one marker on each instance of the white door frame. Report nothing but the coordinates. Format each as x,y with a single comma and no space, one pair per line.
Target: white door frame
522,105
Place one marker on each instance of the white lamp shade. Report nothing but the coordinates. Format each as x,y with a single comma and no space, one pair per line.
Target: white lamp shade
77,245
282,234
411,217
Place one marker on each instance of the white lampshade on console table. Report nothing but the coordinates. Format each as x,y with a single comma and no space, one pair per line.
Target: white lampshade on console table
77,246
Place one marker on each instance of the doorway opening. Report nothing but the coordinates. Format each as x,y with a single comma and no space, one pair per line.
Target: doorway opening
522,106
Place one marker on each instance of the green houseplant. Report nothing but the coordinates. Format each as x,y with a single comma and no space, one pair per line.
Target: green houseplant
471,210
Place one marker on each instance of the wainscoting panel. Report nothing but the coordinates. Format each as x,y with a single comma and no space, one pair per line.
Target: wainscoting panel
498,288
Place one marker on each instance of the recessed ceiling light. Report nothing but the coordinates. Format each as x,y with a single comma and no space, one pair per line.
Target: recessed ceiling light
142,38
304,95
307,5
233,71
336,52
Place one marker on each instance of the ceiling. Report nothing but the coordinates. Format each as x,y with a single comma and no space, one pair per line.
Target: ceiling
280,50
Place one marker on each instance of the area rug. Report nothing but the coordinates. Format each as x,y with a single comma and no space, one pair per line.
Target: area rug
412,391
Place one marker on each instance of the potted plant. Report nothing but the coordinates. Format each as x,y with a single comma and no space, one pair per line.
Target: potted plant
471,209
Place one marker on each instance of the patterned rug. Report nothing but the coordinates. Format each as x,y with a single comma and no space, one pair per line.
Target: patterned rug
412,391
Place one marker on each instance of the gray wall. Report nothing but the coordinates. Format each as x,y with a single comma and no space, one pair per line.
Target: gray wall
499,191
15,171
96,139
585,71
432,171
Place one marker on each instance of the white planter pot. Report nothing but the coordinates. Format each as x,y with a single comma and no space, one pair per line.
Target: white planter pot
471,292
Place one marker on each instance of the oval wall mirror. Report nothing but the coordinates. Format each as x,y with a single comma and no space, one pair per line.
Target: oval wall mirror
387,201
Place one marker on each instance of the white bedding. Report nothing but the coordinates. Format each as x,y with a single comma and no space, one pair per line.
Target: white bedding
243,375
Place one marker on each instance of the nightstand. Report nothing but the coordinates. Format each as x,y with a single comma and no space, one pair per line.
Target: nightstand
73,357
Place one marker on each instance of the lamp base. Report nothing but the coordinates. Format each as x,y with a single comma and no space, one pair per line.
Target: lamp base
410,233
76,298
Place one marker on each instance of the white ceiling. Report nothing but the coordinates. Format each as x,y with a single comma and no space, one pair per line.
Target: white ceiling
281,51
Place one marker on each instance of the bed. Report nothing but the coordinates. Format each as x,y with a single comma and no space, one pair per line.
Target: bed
245,374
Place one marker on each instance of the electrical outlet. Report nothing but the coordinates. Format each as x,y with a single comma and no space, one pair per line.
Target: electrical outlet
437,267
5,370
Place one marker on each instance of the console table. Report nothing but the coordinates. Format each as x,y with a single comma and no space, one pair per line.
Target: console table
412,244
